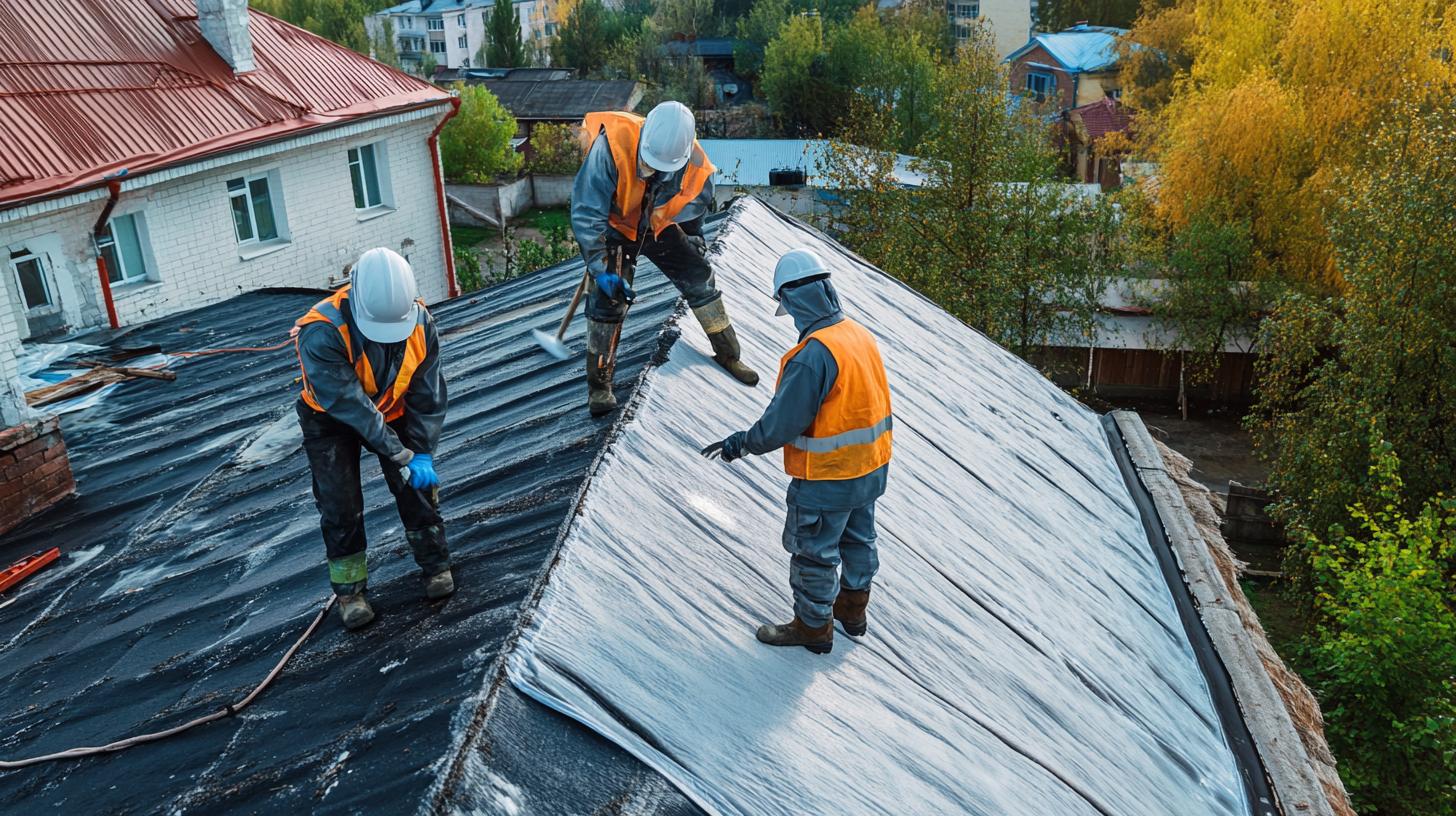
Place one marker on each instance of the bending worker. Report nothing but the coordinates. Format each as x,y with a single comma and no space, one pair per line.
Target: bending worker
831,415
643,190
371,379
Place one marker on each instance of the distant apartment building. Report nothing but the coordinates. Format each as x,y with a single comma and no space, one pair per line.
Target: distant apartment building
456,33
1010,21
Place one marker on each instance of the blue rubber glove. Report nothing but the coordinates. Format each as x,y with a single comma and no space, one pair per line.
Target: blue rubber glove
422,472
615,288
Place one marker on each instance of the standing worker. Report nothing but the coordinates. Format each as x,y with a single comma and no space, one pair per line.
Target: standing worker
643,190
831,415
371,379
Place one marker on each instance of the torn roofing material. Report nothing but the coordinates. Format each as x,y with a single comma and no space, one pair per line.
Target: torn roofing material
92,87
1025,655
192,559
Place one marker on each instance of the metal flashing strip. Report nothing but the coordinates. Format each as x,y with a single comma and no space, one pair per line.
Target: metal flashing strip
1260,736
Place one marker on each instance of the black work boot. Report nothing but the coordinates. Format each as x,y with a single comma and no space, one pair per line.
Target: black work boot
428,545
796,633
849,609
355,611
600,363
714,320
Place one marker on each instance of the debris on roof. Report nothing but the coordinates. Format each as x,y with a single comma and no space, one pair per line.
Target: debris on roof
89,88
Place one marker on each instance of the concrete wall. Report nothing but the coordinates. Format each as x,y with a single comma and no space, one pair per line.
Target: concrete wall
34,470
508,200
193,256
551,191
1010,22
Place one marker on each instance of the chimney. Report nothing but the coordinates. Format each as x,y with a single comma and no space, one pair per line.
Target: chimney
224,24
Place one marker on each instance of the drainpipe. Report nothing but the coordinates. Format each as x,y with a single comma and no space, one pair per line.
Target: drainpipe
452,287
113,188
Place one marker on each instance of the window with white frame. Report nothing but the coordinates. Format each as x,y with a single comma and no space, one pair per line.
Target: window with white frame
255,210
962,32
968,11
1040,85
461,42
121,247
369,175
460,20
435,23
30,274
437,47
406,22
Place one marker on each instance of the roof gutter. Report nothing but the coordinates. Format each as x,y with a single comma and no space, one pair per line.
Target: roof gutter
113,189
49,195
452,286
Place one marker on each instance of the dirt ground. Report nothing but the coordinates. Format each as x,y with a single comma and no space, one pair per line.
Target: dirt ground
1216,442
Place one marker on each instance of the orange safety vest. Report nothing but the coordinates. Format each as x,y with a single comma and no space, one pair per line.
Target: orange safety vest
389,401
851,434
622,131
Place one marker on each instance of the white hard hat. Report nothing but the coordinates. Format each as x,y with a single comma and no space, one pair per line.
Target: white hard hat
382,296
667,137
796,265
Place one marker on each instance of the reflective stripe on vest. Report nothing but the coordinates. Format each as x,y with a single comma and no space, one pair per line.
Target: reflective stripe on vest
852,433
622,131
390,401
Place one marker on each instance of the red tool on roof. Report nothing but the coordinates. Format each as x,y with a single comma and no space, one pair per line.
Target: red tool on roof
26,567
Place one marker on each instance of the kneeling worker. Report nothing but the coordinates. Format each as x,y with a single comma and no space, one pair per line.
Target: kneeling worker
371,379
831,415
643,190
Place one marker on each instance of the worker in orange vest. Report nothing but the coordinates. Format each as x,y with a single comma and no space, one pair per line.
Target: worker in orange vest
371,380
831,415
643,190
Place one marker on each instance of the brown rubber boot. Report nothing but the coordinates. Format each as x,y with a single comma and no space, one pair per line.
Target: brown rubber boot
714,320
849,609
355,611
600,339
796,633
441,585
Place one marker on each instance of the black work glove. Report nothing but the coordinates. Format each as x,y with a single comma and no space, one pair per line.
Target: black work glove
727,450
699,244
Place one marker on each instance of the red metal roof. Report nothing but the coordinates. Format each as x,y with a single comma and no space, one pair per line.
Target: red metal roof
88,87
1103,117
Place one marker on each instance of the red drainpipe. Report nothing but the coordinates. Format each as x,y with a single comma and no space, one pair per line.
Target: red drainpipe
113,187
452,286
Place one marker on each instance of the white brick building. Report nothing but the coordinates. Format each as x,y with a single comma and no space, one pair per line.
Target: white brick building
456,33
278,178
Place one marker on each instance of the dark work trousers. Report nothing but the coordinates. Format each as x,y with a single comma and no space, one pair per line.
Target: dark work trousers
334,450
821,543
671,251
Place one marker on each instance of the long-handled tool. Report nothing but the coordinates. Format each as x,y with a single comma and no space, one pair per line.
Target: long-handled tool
554,344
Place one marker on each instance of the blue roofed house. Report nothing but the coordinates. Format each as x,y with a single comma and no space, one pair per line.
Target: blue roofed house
1069,68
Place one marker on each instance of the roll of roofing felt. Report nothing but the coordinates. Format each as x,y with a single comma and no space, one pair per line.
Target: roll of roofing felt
1024,655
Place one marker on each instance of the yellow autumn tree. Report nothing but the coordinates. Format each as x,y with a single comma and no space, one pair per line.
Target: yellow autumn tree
1253,109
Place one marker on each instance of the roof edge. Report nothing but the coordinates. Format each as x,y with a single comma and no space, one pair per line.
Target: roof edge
1292,776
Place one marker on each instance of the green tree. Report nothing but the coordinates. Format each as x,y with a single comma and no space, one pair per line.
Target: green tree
339,20
428,64
888,62
555,150
1055,15
990,234
795,79
755,31
386,49
1384,351
685,19
475,146
586,38
1383,655
506,49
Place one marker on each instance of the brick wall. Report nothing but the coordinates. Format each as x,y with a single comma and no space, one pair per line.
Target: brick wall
1044,64
34,470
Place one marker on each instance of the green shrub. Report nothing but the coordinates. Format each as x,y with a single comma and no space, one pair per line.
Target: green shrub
1383,654
467,269
475,146
531,255
555,150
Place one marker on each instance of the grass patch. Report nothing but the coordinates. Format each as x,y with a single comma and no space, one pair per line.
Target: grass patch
473,236
546,219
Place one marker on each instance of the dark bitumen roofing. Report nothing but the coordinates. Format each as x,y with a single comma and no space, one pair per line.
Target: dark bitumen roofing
563,99
192,559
